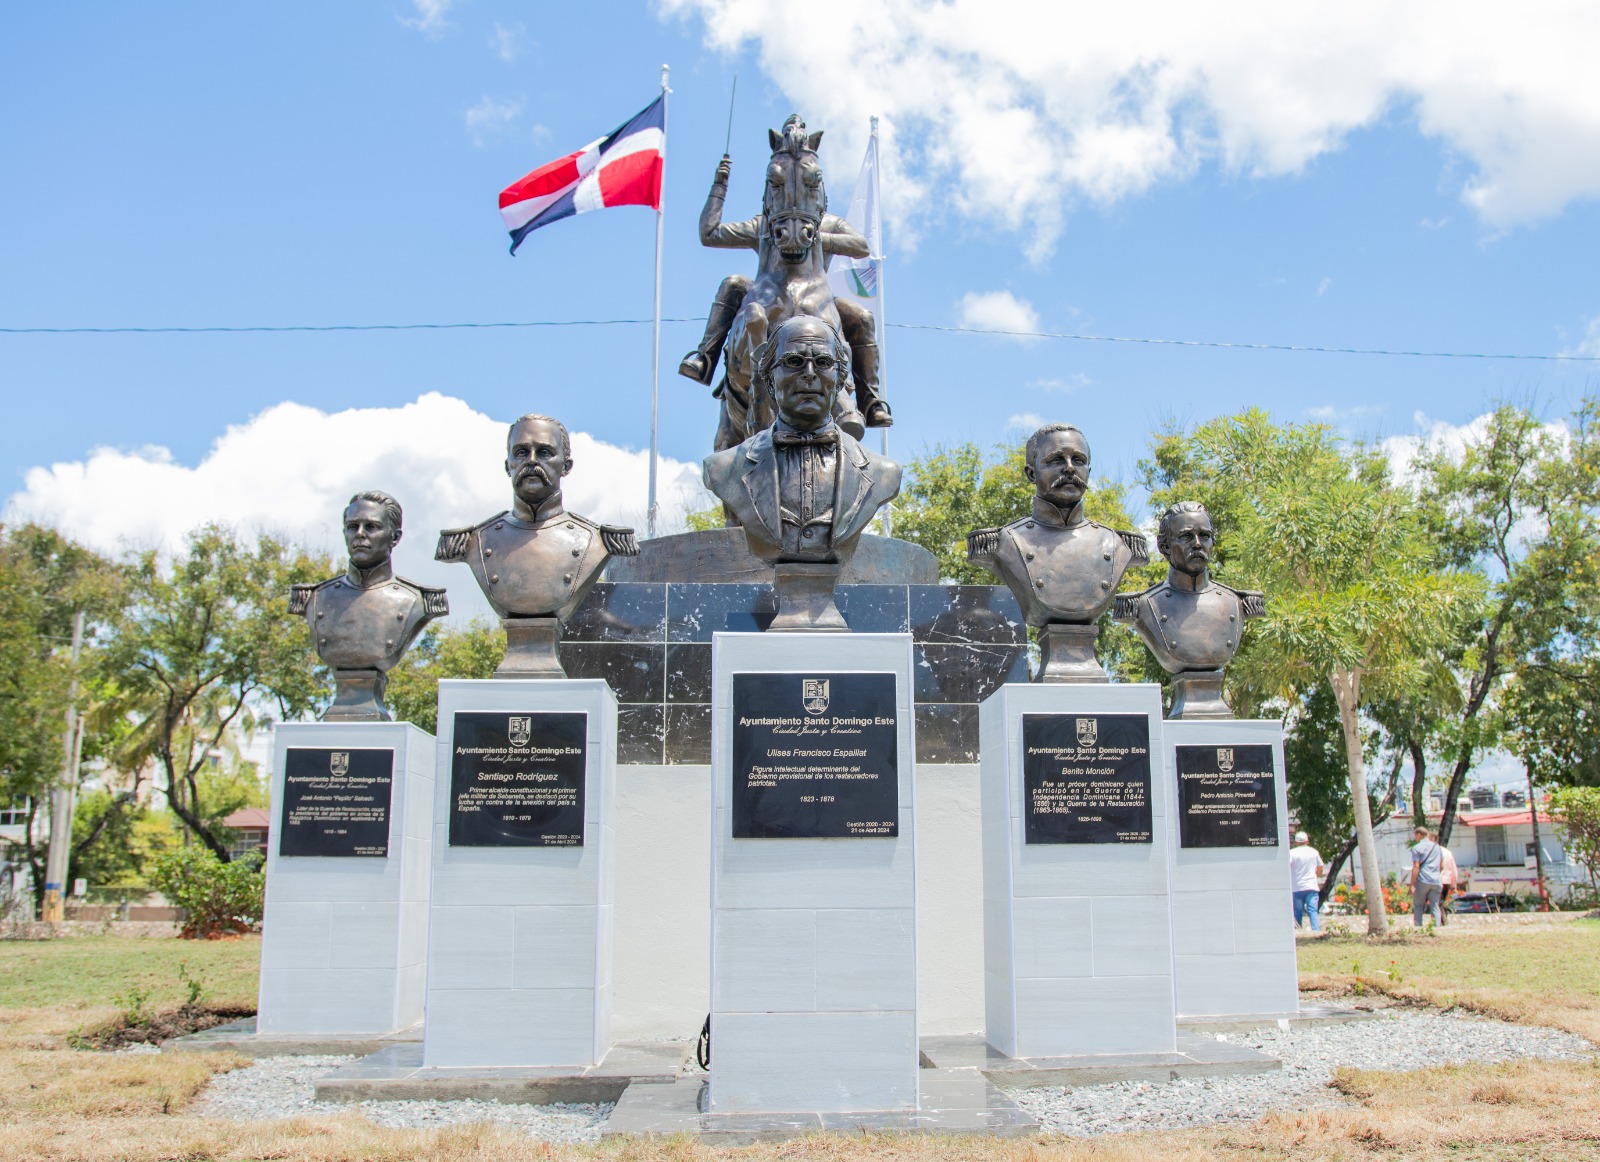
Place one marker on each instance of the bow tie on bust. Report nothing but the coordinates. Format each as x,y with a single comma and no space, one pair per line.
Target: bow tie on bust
788,437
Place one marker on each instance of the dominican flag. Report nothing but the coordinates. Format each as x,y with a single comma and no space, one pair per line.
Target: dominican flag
858,277
623,168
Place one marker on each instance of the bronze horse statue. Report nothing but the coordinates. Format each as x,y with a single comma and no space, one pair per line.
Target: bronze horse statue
793,238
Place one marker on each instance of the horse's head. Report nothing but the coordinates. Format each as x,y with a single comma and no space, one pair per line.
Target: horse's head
795,200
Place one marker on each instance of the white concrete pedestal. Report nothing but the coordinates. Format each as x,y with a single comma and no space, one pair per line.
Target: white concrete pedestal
1232,927
1077,936
519,950
344,936
813,940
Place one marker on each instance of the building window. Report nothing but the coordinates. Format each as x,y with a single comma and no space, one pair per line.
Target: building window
15,814
246,841
1492,847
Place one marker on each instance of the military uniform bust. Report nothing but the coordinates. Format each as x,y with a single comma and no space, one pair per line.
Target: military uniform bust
804,490
363,621
537,561
1063,567
1191,623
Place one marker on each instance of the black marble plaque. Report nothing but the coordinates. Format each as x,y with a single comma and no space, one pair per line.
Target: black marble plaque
1227,796
815,756
516,780
336,802
1086,778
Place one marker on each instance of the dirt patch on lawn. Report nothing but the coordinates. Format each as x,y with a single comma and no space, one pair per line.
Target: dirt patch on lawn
157,1027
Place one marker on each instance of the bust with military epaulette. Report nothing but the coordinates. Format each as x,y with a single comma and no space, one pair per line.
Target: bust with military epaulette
1191,623
364,620
1063,567
537,561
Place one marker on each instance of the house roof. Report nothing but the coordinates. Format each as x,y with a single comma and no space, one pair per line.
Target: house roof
1500,817
258,818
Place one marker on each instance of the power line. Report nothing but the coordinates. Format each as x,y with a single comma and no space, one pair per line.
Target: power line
1000,331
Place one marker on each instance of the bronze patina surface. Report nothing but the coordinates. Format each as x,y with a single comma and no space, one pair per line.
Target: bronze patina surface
1063,567
535,561
803,489
793,237
1191,623
363,621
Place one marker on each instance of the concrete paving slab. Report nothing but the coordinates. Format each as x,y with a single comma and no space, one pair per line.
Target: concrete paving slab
1198,1055
396,1073
1305,1016
241,1037
954,1101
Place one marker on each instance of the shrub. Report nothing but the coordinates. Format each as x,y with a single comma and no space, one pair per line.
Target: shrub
217,898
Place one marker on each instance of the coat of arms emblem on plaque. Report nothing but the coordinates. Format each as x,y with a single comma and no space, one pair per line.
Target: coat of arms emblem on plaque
1225,759
1088,731
814,695
339,762
519,730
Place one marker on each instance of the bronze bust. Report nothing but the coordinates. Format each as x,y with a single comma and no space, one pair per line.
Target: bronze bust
1063,567
535,562
1191,623
363,621
803,489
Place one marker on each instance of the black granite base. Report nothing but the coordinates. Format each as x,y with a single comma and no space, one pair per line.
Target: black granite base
652,643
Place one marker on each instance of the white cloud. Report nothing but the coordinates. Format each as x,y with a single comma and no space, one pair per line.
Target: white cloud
291,469
998,311
1328,413
1441,436
506,41
1029,422
430,16
1589,345
489,117
1063,384
1322,287
1011,111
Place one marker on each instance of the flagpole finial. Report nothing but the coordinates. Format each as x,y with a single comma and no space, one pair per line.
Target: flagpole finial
874,125
664,88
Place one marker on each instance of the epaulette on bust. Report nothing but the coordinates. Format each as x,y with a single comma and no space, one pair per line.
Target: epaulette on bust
300,598
982,543
453,544
1126,607
619,542
1252,604
434,601
1136,544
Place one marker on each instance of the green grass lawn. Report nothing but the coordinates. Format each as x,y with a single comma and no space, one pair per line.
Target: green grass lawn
1544,975
88,971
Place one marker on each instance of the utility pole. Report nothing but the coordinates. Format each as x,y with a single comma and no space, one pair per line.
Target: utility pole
64,797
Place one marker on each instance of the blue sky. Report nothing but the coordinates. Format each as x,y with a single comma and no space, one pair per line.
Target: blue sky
295,163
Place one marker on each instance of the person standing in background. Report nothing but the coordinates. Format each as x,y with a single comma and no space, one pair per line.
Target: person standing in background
1305,880
1427,877
1452,882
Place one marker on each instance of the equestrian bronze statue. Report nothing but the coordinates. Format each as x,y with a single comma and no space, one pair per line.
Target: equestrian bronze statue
793,237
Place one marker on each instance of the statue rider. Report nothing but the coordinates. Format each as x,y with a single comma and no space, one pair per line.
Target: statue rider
836,236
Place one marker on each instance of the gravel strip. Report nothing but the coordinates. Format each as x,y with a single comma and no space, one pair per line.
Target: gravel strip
281,1087
1394,1041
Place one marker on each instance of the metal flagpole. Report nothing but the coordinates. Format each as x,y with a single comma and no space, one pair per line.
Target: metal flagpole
655,345
883,350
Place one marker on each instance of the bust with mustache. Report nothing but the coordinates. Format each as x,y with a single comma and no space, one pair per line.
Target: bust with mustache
536,560
1063,567
1191,623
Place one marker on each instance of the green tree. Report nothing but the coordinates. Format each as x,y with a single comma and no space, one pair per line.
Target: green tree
1517,506
444,651
949,492
45,579
1577,809
1356,598
207,643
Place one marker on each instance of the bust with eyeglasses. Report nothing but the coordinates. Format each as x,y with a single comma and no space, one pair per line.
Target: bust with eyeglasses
803,490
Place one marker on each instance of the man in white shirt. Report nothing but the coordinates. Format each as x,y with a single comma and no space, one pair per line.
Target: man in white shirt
1305,880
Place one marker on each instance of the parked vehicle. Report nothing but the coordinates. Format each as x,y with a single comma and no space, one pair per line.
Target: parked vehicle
1487,902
